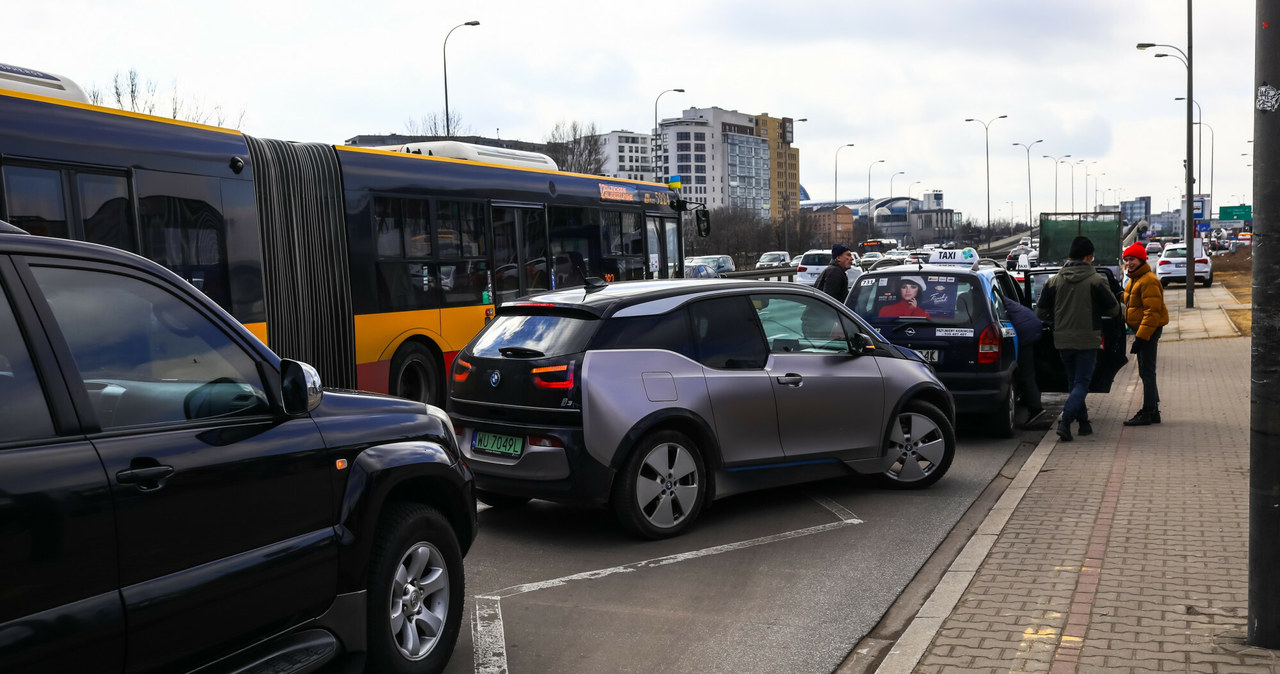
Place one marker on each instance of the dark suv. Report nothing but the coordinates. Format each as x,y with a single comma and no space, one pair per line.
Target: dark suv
657,397
174,496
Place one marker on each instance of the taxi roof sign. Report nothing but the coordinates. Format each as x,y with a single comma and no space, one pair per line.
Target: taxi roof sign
967,257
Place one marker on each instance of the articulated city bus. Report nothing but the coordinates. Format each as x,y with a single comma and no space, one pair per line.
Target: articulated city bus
375,266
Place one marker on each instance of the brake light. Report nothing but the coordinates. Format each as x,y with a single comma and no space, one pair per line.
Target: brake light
989,345
1164,262
545,441
802,269
461,370
1202,260
553,377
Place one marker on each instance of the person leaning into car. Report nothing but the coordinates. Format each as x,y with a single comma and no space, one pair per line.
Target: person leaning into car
834,279
1074,301
1146,314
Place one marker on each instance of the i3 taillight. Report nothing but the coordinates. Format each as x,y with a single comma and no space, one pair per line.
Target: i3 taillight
553,376
461,370
989,345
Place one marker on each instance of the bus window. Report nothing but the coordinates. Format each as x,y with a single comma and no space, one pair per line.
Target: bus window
623,253
464,265
35,200
573,232
183,229
104,205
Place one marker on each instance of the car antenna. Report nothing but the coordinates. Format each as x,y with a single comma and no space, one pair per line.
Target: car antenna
595,284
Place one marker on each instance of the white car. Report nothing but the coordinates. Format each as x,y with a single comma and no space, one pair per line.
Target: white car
774,258
812,262
1171,267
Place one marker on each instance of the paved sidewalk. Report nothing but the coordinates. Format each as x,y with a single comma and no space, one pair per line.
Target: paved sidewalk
1124,551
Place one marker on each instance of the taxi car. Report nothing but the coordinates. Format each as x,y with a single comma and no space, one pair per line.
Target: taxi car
952,312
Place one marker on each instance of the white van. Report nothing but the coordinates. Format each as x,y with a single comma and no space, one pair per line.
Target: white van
774,258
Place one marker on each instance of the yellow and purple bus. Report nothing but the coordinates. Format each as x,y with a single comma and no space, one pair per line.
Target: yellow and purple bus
375,266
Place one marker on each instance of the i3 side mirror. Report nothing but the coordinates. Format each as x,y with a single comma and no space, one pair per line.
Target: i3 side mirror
300,387
861,345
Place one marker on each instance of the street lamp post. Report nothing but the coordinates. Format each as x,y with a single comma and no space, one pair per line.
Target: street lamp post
871,215
1028,149
1199,144
657,142
1211,144
448,130
1056,162
1073,183
986,133
1188,212
899,173
835,190
909,208
1086,185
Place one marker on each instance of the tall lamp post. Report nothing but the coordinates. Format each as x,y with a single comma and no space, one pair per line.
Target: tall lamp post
1056,162
1211,144
986,132
1028,149
871,215
909,211
657,142
899,173
835,190
1087,166
1199,143
1188,205
448,130
1073,182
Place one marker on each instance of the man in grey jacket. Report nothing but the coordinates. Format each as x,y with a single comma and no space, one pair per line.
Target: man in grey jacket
1074,301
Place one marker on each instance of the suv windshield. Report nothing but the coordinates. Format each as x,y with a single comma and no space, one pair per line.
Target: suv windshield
906,296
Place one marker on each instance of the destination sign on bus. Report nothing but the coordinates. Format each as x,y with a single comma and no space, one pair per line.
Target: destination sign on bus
612,192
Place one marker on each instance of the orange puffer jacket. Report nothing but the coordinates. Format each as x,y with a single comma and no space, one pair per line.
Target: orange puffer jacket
1144,308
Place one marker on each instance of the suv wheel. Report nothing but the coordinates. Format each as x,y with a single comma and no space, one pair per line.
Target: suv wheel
920,448
661,487
416,590
1001,421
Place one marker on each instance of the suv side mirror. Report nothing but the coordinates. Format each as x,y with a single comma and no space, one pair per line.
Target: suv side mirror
702,220
299,386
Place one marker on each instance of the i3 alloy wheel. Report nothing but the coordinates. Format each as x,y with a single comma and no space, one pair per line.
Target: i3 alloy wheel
415,592
662,486
920,447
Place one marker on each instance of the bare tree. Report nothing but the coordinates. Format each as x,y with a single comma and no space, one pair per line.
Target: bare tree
576,148
433,125
129,91
736,231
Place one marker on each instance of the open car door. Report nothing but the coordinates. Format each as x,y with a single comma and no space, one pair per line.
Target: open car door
1051,376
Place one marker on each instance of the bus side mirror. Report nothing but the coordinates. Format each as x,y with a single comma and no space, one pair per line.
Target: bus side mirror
702,219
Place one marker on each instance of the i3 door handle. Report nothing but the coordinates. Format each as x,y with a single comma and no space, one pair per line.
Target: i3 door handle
791,379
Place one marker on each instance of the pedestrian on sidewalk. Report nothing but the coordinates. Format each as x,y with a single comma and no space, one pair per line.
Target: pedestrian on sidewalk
1146,314
1075,300
1027,326
834,279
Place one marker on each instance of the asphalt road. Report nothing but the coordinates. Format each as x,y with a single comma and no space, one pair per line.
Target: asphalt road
787,580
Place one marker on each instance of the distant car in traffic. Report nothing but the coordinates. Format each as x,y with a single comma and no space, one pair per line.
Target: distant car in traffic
1171,266
773,258
699,271
1014,258
811,265
1153,249
720,263
654,398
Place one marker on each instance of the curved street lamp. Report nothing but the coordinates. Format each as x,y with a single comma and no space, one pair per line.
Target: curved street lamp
657,142
871,215
448,131
986,129
1056,162
1028,149
835,190
909,209
1188,207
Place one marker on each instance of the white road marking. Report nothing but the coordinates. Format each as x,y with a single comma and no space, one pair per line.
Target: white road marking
489,638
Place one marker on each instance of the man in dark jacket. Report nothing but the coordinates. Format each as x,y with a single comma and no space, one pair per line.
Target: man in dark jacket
834,279
1074,301
1028,327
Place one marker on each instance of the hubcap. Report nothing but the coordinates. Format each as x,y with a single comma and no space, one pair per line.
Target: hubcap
419,600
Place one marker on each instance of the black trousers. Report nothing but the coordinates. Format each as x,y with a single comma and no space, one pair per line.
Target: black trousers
1147,371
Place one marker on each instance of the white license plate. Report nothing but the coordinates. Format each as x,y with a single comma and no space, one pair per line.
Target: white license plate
500,445
929,355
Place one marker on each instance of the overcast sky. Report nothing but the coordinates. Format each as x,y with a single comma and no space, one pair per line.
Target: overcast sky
896,79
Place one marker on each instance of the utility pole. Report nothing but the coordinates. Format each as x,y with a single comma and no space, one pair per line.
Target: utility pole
1264,422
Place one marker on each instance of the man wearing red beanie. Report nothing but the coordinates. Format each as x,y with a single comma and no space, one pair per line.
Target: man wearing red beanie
1146,315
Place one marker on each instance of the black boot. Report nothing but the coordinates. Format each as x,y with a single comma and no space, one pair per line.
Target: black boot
1142,418
1064,431
1154,415
1086,428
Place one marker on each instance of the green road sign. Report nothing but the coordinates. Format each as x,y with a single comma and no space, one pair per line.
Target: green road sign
1235,213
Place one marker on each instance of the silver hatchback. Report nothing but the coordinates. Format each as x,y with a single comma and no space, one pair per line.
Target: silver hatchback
656,397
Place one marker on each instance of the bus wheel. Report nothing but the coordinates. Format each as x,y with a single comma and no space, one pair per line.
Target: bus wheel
415,375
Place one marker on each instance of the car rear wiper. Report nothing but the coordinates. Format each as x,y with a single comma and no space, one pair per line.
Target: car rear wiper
520,352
